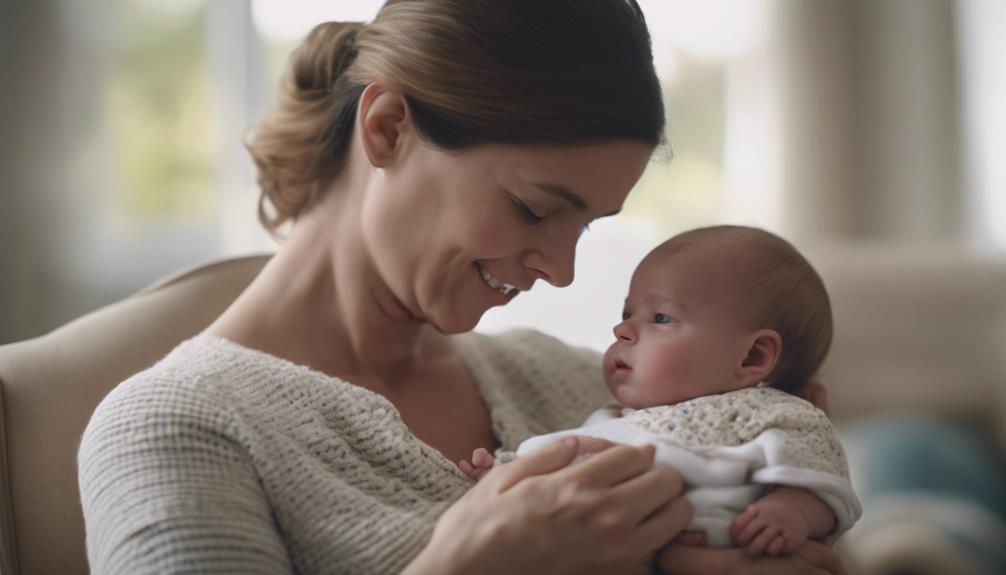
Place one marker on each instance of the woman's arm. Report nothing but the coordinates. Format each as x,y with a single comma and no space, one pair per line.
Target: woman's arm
608,514
812,558
166,489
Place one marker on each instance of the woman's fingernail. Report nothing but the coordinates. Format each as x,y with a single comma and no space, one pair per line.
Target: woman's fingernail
569,442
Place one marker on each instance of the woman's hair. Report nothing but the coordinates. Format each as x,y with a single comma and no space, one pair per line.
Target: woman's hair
472,72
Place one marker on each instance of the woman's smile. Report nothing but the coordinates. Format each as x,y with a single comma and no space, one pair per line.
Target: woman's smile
502,291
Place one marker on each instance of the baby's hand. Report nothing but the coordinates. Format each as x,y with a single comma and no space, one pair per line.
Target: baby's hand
770,527
482,462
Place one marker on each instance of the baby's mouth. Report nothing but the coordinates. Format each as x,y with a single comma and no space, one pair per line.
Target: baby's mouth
622,366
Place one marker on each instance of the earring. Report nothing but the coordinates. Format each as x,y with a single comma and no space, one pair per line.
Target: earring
379,172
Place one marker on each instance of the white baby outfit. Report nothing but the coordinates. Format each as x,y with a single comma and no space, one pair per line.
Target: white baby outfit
730,448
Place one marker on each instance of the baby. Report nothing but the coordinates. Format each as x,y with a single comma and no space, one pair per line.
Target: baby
721,329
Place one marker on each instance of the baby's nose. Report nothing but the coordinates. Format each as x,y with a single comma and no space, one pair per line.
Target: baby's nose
624,331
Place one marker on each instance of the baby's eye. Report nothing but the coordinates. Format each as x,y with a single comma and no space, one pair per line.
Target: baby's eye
662,318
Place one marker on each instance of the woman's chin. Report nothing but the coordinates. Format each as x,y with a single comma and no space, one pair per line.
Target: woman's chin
455,324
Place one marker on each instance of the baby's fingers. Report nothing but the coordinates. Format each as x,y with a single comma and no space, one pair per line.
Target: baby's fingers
482,458
762,541
743,529
777,546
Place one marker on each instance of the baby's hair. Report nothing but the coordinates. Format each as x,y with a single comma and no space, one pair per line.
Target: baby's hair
781,291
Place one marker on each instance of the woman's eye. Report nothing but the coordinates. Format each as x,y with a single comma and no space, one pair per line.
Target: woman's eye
527,213
626,315
662,318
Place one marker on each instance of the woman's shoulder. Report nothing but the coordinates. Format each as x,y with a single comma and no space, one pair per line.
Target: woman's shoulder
180,388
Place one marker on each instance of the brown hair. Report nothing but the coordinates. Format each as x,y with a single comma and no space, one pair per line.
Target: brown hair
472,72
782,291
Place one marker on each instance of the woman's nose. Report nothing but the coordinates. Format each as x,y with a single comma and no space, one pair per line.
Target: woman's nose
624,331
555,263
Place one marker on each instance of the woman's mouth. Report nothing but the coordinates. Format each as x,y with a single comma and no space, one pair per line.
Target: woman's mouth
495,283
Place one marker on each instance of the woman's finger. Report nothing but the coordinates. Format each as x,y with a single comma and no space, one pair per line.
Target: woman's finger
816,393
552,457
590,444
612,466
694,538
641,495
689,560
820,556
657,530
685,560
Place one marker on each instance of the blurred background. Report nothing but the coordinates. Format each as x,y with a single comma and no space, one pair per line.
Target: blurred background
868,132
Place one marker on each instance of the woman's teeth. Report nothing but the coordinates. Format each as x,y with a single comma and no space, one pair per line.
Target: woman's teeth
496,284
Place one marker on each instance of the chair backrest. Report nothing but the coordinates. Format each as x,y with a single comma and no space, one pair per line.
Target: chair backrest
917,328
50,385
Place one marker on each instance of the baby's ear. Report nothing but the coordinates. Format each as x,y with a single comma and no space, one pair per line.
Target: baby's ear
763,350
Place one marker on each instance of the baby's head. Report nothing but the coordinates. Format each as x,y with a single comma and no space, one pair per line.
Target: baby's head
714,310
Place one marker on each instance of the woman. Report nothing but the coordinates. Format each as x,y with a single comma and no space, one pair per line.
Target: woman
430,165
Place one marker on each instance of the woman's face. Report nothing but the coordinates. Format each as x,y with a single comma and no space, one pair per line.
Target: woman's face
453,234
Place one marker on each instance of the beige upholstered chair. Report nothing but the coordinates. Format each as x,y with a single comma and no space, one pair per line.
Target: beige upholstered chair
50,385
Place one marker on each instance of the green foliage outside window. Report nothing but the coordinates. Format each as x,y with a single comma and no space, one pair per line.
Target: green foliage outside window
158,108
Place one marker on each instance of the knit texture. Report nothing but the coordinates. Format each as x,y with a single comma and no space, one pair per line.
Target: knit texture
729,419
220,458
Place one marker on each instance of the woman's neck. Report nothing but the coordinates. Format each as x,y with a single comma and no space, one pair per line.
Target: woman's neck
320,302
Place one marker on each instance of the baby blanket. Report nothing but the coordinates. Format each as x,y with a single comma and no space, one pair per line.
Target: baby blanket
730,448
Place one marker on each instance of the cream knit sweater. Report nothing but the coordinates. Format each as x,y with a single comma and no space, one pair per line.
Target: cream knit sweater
221,459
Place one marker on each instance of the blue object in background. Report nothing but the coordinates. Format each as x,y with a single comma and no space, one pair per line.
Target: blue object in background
941,479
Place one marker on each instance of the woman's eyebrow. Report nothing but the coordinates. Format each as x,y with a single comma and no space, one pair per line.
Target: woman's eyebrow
570,196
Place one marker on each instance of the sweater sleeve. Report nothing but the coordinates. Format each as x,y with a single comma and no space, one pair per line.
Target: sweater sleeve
166,487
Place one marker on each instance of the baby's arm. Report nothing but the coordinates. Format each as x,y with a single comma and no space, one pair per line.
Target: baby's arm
781,521
482,462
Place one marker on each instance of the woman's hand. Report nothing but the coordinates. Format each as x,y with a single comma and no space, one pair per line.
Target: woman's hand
811,558
608,514
816,393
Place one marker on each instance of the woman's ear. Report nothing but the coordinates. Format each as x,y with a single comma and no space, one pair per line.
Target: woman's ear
763,350
383,122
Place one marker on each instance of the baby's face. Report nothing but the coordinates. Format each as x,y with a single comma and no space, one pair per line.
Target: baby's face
679,337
